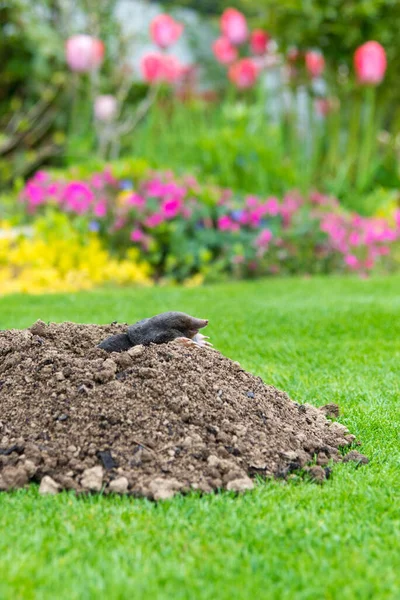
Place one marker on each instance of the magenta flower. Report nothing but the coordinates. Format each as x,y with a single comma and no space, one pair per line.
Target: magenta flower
100,209
137,235
35,194
171,207
154,220
78,197
234,26
370,63
272,207
225,223
136,200
352,261
84,53
165,31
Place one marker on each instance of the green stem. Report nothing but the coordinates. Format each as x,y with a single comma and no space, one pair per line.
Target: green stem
369,137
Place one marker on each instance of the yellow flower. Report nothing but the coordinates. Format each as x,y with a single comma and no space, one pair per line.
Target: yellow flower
35,265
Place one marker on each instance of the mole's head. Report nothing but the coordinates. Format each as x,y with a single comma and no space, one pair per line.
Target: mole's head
187,325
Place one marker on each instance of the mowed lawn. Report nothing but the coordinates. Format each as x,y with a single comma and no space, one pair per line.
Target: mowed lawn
321,340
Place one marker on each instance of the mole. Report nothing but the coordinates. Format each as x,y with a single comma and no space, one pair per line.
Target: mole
160,329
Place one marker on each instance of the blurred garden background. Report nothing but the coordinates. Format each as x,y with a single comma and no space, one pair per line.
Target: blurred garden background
197,141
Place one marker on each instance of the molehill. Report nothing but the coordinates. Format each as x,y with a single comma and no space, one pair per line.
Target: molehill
152,421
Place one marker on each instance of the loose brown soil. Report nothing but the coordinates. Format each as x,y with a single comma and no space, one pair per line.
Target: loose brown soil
151,422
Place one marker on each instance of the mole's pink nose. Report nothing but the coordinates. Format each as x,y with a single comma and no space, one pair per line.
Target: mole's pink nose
201,323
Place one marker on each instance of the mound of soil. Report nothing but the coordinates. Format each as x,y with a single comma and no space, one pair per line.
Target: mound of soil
151,422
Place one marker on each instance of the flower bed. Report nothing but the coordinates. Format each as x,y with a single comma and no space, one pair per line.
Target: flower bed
183,229
54,257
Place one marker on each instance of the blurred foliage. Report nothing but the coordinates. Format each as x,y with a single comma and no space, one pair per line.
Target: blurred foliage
37,92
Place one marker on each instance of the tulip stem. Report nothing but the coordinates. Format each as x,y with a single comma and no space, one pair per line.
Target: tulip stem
363,171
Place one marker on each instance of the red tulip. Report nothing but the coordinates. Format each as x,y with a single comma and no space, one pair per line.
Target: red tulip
84,53
224,52
165,31
315,63
370,63
259,41
158,68
234,26
243,73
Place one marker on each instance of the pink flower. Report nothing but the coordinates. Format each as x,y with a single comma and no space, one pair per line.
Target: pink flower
173,70
272,207
351,261
264,238
137,235
136,200
171,207
41,176
224,52
152,67
243,73
105,107
158,68
84,53
354,238
78,196
165,31
259,41
370,63
154,220
100,209
315,63
225,223
234,26
34,193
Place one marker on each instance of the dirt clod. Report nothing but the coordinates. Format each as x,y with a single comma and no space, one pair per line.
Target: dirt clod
153,421
48,486
356,457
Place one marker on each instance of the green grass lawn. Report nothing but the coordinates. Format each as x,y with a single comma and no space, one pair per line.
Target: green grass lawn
335,340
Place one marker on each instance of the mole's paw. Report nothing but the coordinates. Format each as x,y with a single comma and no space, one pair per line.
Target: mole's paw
187,342
201,340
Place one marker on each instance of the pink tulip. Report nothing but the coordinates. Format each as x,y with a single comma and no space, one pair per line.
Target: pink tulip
158,68
243,73
234,26
84,53
259,41
165,31
370,63
172,69
152,67
224,52
105,107
315,63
